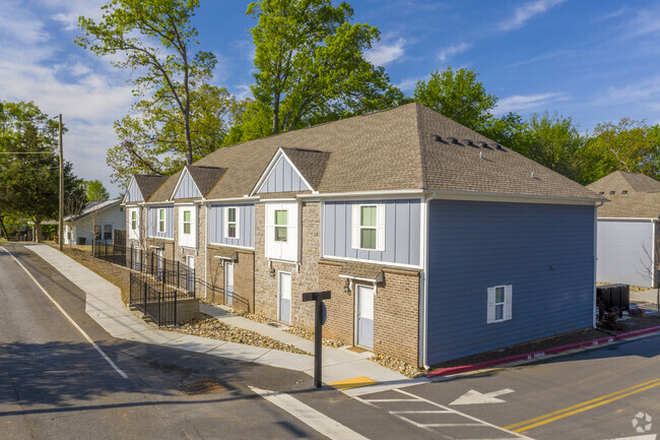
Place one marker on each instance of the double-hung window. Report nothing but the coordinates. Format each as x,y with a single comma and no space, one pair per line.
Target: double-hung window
281,224
499,303
231,222
186,222
107,232
368,232
161,220
134,220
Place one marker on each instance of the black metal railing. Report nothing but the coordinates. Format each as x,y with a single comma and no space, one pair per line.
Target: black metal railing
172,273
154,298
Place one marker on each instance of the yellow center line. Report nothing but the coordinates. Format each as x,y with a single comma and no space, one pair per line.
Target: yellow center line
581,407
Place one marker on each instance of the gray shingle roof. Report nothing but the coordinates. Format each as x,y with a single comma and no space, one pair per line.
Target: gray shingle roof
149,184
205,177
631,195
388,150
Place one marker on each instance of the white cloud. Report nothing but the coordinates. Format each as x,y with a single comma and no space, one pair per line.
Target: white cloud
386,53
527,11
243,91
646,22
407,84
453,50
517,103
643,92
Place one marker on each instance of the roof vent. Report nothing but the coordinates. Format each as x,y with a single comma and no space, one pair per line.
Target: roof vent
499,147
453,140
533,175
481,155
437,138
625,191
601,193
469,142
483,144
612,192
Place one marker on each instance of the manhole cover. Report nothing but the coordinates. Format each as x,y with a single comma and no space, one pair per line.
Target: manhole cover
202,387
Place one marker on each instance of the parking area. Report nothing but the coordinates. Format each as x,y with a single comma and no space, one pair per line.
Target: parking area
608,393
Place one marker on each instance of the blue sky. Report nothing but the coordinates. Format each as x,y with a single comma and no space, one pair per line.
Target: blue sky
593,60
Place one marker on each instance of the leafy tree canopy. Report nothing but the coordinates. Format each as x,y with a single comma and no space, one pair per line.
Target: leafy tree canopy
95,191
311,67
180,116
458,95
29,165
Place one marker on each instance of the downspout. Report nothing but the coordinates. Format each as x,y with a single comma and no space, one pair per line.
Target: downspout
424,285
206,249
595,280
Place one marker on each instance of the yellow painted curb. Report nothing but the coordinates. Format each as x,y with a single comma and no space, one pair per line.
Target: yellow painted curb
356,382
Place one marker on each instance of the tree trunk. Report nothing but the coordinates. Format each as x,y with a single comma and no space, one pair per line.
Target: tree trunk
36,235
276,113
2,223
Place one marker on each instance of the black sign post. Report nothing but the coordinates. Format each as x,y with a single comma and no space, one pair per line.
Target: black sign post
320,316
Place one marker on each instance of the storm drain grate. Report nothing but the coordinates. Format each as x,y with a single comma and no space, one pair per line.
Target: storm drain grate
202,387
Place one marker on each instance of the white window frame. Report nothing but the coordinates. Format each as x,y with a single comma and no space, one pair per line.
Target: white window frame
236,222
282,250
160,221
134,233
357,227
493,304
188,239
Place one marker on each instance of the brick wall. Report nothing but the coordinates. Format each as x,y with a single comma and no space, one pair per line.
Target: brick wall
243,280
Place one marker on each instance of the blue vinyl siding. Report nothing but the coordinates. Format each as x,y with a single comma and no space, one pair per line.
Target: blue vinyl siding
187,189
245,227
133,194
152,222
402,236
283,178
544,251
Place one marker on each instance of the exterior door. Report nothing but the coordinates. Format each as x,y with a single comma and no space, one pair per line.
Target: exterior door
229,284
365,316
190,274
285,297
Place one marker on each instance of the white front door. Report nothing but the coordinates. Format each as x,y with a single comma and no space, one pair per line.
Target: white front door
284,297
365,316
190,278
229,284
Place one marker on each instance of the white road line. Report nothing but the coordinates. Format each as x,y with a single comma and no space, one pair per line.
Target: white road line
308,415
66,315
467,416
431,411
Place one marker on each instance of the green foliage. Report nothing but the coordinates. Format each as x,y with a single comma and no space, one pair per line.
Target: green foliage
458,95
311,67
95,191
29,175
155,39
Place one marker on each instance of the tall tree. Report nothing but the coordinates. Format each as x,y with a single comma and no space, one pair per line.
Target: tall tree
156,39
458,95
311,66
29,167
95,191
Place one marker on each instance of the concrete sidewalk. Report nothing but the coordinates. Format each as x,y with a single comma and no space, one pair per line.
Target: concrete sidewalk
104,305
647,296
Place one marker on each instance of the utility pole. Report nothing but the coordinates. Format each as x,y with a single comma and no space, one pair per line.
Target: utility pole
61,232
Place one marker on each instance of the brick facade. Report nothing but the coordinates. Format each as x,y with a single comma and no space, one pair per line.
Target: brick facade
243,279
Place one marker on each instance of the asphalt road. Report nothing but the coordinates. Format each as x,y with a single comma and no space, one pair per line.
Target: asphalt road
592,395
55,385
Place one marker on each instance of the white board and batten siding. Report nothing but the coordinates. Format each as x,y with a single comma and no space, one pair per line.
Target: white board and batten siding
398,229
625,249
217,226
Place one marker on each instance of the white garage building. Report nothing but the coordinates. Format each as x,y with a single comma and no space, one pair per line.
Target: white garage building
627,234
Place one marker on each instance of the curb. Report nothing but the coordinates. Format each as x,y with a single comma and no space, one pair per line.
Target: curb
540,354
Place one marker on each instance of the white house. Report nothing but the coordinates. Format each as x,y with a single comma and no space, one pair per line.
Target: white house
98,219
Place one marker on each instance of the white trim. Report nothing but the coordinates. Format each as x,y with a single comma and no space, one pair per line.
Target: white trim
231,246
424,216
282,199
459,195
491,303
279,295
155,204
178,184
239,200
382,263
160,238
269,168
379,279
222,257
653,252
236,222
629,219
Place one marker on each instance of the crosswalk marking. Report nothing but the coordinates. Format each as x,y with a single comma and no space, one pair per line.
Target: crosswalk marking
438,409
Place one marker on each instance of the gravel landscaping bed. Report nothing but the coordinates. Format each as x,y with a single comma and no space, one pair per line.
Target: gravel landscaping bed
302,333
209,327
